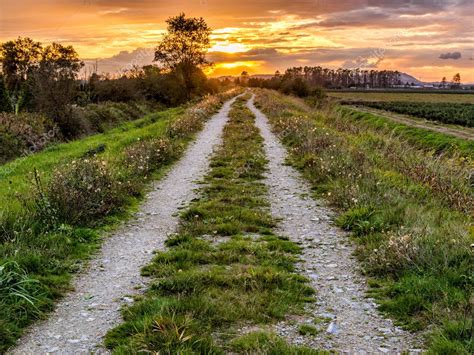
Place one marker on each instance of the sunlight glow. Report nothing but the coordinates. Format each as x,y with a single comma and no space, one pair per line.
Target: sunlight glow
237,64
228,47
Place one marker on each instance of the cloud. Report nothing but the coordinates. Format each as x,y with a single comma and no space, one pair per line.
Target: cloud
355,18
449,55
361,63
122,61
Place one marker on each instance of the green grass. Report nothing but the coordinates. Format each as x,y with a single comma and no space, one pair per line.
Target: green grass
308,329
202,291
16,177
409,208
40,246
264,343
420,137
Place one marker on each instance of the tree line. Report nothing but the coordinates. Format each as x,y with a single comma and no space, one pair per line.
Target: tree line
44,79
302,79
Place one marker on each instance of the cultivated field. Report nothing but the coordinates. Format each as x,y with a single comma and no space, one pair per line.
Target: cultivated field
403,96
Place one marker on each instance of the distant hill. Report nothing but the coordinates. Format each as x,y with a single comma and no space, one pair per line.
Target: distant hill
407,78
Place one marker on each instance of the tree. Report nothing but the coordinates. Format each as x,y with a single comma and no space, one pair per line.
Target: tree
457,80
443,82
18,58
53,85
62,62
183,49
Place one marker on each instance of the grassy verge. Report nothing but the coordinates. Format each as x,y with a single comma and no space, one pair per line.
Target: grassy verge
53,219
29,133
423,138
409,209
224,269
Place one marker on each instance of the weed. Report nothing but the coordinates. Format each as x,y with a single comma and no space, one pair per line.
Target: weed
307,329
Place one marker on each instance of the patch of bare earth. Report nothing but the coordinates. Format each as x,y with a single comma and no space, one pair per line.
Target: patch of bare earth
344,318
84,316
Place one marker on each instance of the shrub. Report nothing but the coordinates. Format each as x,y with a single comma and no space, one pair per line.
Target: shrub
81,192
98,118
24,133
144,157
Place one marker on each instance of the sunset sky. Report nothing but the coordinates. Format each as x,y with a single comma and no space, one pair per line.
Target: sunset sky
428,39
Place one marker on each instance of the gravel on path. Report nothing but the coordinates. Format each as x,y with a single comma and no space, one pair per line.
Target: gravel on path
83,317
351,322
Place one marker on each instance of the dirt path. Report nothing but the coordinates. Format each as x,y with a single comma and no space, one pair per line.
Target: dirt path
353,323
83,317
461,132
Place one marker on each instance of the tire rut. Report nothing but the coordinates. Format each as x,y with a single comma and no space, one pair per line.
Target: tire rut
83,317
352,323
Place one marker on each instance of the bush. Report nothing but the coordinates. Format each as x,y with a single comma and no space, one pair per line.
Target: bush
98,118
24,133
81,192
144,157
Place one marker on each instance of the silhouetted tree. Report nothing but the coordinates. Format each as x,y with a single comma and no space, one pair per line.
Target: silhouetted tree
18,58
53,85
183,49
443,82
330,78
456,80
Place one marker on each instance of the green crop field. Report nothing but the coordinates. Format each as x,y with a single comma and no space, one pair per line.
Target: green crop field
443,112
403,96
